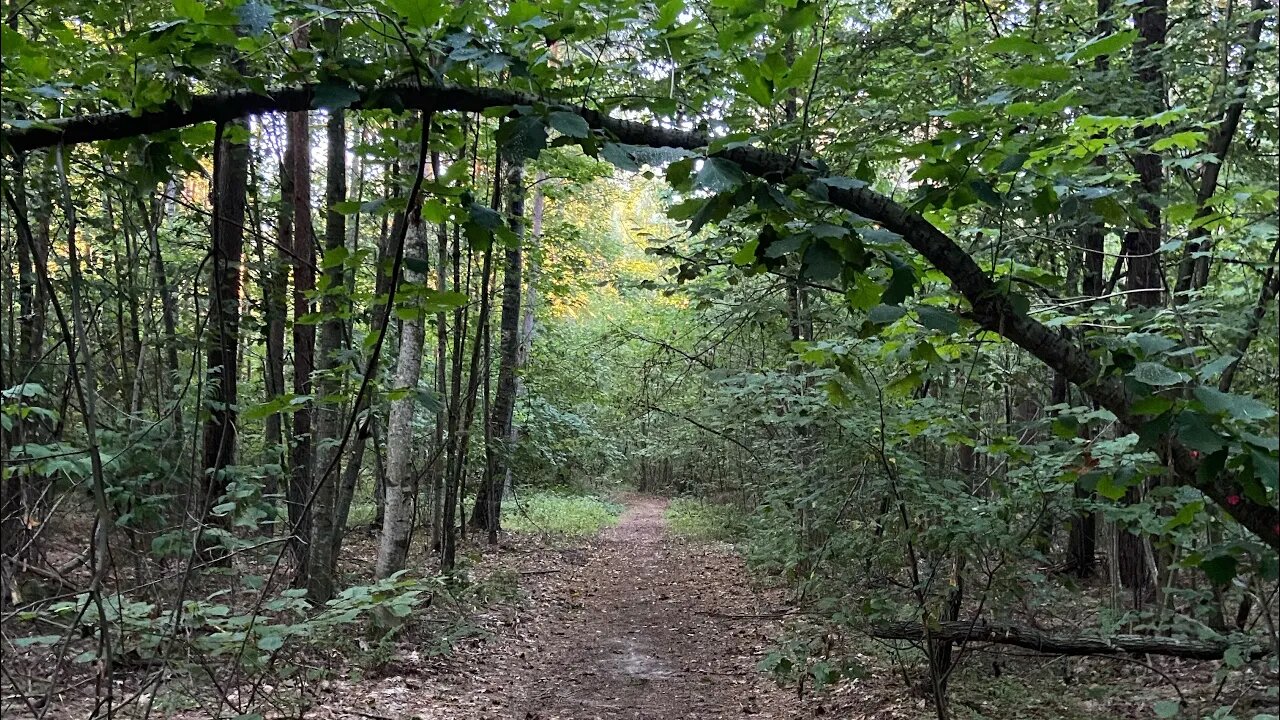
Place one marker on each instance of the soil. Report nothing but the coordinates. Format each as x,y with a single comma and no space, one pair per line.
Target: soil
635,624
644,632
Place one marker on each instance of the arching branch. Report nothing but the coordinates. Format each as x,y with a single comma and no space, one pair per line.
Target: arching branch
991,306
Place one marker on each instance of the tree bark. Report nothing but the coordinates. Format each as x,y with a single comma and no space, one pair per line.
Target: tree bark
400,484
275,290
301,460
461,423
1193,269
325,532
1058,644
1143,243
487,513
231,175
168,304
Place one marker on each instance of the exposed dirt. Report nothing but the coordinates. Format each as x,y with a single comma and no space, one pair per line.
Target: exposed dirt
632,624
642,632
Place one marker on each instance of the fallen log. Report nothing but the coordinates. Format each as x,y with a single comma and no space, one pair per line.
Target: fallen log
1059,644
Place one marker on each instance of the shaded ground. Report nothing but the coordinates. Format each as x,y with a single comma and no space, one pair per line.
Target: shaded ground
642,632
632,624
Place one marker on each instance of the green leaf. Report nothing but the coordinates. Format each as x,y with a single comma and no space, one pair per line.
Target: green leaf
1238,407
1214,368
1220,570
885,314
420,13
1032,76
719,175
522,138
938,319
668,14
1186,140
568,123
1271,444
271,642
901,282
747,254
618,155
1197,433
1151,344
1266,468
1157,375
485,217
190,9
37,640
1015,44
1151,405
1167,708
1013,163
820,262
1109,488
333,96
1105,45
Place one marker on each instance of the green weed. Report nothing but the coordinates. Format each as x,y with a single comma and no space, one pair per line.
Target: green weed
558,512
702,520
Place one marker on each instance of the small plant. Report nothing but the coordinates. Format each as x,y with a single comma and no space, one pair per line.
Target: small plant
558,512
706,521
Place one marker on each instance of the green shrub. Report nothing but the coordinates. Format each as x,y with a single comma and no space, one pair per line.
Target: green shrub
702,520
560,512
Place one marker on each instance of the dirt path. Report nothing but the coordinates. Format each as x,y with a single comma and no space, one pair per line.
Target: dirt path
634,624
641,632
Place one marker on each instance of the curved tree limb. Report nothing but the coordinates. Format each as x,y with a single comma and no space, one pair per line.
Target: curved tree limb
991,306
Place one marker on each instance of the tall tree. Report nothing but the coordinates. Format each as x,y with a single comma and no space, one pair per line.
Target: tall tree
325,530
231,176
301,459
487,512
1145,280
400,483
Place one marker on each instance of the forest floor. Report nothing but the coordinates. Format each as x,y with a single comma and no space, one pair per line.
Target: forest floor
634,623
639,623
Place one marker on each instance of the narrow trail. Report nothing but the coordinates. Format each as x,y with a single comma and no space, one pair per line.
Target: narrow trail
644,630
634,624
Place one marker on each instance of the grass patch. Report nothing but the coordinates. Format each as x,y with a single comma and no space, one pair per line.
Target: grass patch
701,520
560,512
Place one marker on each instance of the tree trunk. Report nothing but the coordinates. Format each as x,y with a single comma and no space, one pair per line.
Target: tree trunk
275,289
168,304
400,485
231,175
487,512
1145,279
462,422
528,312
304,333
438,469
325,532
1193,269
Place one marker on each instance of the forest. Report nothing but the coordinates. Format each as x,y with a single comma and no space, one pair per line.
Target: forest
571,359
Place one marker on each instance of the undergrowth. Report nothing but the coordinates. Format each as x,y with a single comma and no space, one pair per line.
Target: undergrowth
558,511
701,520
